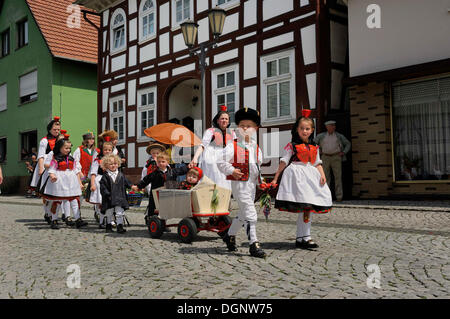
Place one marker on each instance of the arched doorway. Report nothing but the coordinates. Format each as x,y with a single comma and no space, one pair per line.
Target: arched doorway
184,103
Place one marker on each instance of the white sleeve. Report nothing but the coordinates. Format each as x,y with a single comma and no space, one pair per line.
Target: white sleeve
224,165
260,156
144,172
53,167
42,148
94,169
288,152
77,166
318,160
48,158
207,137
77,154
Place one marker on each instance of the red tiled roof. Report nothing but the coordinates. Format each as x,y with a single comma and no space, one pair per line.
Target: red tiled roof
71,43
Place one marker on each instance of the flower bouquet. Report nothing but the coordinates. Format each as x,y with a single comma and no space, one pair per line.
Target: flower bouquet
265,199
85,181
134,198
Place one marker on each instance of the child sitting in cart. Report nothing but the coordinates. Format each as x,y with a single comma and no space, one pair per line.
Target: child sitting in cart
158,178
193,176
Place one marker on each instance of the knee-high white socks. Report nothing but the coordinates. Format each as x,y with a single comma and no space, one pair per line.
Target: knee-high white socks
101,216
303,229
119,215
250,227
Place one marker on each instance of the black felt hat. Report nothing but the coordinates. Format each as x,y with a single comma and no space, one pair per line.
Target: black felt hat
247,114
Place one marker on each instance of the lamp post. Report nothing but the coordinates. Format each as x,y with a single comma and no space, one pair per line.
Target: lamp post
189,28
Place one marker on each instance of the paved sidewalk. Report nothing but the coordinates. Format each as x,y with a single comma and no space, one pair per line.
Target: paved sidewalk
411,205
407,248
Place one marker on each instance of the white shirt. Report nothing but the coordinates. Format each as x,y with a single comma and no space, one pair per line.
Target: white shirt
113,175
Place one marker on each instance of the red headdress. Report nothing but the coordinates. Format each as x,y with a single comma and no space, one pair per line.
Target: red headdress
107,138
223,108
63,132
66,137
306,113
56,118
200,172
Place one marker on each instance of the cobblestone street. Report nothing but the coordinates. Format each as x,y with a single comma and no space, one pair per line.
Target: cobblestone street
409,244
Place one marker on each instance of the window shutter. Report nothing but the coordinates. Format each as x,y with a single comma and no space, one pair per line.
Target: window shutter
28,84
3,97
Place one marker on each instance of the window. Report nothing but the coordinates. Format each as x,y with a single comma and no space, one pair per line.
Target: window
5,43
227,3
225,83
28,144
146,110
2,149
22,33
118,31
278,88
3,97
117,112
421,130
182,10
147,20
28,87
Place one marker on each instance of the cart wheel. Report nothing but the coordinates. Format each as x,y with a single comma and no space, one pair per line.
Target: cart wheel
187,230
222,222
155,227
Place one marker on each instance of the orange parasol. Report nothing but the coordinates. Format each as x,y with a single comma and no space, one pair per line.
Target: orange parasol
173,134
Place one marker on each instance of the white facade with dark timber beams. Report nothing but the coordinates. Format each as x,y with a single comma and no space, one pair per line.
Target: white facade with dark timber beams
275,56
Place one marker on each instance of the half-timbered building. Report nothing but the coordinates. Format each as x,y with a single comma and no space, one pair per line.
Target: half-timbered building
278,56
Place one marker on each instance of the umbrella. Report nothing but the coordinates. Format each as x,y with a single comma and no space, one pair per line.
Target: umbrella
173,134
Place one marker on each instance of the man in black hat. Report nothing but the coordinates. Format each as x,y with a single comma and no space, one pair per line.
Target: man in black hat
241,165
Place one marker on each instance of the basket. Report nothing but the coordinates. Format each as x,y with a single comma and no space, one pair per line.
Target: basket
134,199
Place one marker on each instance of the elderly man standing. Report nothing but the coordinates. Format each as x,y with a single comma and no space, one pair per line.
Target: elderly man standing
333,147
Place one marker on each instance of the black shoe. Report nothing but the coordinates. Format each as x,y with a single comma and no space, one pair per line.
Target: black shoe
306,244
54,224
63,218
108,228
256,251
69,222
147,222
101,226
47,219
230,241
120,229
80,223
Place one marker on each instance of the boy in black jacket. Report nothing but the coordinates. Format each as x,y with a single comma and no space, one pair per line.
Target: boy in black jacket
113,187
158,178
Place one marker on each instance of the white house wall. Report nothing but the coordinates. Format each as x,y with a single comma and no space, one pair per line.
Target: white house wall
159,59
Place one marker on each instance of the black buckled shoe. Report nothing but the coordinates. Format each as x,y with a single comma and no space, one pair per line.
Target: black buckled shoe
69,222
120,229
310,244
54,224
47,219
108,228
80,223
231,242
256,251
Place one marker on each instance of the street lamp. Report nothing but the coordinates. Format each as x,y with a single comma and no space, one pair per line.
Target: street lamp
189,28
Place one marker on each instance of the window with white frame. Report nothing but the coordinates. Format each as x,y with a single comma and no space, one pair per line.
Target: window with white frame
3,97
182,10
225,83
147,20
227,3
28,87
118,30
117,115
146,110
278,88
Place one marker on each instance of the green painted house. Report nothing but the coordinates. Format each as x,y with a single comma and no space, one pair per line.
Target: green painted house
48,67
